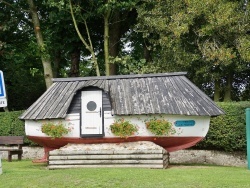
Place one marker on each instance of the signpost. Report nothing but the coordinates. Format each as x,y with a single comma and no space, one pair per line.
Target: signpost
1,171
248,136
3,103
3,100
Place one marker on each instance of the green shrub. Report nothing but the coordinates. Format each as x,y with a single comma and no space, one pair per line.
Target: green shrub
123,128
55,130
160,127
227,132
10,125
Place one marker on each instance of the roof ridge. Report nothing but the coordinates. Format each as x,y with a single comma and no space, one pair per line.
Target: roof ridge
114,77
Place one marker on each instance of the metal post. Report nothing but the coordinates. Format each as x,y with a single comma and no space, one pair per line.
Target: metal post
248,136
1,163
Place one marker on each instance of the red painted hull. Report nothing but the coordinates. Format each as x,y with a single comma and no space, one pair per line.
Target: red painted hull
169,143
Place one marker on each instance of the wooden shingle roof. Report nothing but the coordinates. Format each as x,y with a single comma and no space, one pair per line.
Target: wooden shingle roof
165,93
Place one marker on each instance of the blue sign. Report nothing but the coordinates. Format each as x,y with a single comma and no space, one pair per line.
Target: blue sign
3,100
2,86
184,123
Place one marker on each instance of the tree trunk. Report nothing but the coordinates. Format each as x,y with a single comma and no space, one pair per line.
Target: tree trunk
114,39
57,61
89,45
47,68
75,60
146,52
217,90
228,89
106,41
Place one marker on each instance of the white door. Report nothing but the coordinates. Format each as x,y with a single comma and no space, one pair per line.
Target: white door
91,115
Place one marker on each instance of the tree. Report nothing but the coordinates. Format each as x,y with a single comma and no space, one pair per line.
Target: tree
211,33
19,60
110,15
88,45
48,73
106,15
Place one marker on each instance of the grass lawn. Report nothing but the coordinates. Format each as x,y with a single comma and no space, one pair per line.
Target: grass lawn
25,174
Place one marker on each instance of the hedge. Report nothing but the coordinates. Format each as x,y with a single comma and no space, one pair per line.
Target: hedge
10,125
226,133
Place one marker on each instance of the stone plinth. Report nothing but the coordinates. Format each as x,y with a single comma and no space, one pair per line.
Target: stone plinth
132,154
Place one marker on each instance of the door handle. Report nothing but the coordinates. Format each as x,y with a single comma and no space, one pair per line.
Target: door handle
100,111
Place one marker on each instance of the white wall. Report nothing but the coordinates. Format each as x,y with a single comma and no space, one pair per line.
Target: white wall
73,121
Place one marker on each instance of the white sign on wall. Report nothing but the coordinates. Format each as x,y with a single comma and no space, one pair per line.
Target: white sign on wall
3,100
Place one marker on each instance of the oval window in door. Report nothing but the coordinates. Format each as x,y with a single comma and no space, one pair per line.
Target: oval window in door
91,105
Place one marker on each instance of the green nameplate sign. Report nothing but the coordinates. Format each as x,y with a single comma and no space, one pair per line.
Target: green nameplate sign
184,123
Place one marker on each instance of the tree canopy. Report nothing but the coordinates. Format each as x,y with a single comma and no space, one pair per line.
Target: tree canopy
208,39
